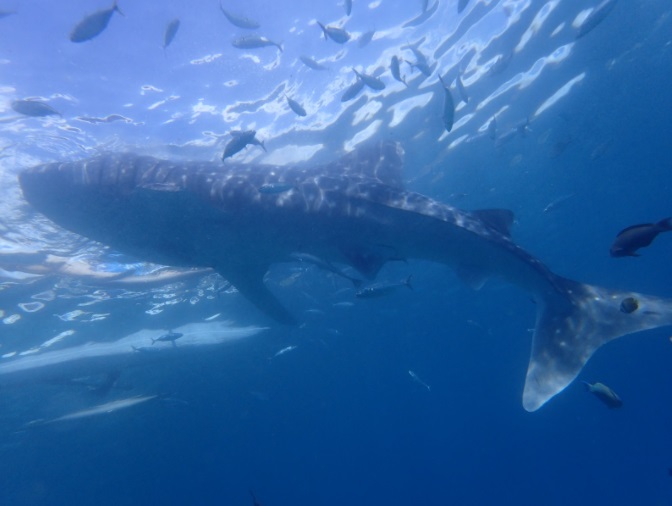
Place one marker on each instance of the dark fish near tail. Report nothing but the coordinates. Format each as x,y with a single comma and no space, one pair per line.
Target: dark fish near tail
630,239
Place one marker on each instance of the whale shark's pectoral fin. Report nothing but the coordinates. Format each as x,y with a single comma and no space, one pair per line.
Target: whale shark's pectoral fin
249,281
369,260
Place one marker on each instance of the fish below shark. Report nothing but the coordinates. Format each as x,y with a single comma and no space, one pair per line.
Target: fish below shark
353,211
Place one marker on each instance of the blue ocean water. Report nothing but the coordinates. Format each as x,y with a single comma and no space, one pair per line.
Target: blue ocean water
328,413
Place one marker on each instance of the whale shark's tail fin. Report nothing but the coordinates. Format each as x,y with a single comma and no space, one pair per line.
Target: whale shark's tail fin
576,320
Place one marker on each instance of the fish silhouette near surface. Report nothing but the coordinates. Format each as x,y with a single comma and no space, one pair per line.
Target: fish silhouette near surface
312,63
93,24
240,140
35,108
254,42
448,116
354,212
171,31
630,239
338,35
239,21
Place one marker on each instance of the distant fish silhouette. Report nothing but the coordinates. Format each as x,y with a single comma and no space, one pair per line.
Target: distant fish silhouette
35,108
395,68
597,15
372,82
295,106
171,31
93,24
239,21
448,107
630,239
240,139
365,38
334,33
254,42
312,63
353,90
426,14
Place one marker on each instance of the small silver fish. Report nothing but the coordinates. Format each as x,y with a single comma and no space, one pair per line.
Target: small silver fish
418,380
383,289
170,337
273,188
284,350
605,394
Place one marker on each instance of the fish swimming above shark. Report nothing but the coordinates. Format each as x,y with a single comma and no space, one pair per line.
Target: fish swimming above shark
354,211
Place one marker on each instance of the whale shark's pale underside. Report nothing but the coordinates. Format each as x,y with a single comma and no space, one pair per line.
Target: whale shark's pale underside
353,211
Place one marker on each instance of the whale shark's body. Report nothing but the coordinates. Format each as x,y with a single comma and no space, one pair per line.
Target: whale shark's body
353,211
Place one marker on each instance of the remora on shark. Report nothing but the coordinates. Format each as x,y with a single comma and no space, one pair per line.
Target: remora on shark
203,214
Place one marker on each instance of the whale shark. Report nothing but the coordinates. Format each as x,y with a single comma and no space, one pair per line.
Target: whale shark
353,211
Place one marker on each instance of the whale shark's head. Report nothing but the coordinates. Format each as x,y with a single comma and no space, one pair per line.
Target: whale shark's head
51,189
86,196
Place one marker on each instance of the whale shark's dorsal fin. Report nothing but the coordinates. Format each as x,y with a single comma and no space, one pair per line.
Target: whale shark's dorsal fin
500,220
382,161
